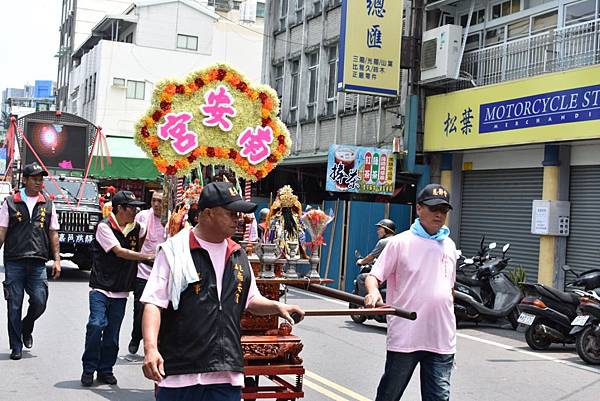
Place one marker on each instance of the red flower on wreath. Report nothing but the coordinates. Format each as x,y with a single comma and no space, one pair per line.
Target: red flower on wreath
157,115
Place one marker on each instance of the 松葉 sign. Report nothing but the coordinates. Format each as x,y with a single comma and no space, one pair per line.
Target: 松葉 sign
553,107
370,39
360,170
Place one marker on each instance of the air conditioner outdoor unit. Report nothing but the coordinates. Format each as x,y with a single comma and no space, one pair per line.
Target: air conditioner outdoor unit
440,53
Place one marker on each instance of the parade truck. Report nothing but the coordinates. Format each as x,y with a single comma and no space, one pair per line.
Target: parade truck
63,142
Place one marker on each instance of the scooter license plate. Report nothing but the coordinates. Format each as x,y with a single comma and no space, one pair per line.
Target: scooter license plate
526,318
580,320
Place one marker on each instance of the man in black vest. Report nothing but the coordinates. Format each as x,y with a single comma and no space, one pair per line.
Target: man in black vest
113,274
200,285
29,231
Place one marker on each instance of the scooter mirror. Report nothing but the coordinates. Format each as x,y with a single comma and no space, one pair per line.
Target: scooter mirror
505,248
469,261
565,268
357,253
493,245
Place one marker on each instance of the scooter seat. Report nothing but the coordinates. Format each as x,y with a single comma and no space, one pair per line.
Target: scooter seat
566,297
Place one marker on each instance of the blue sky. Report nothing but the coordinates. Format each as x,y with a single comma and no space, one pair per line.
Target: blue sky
29,39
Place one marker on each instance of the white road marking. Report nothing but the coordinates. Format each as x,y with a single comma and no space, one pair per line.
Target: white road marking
481,340
529,353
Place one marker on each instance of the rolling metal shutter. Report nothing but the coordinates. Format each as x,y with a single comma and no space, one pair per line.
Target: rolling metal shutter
497,203
583,244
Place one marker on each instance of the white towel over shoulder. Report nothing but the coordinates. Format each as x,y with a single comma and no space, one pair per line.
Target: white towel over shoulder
183,271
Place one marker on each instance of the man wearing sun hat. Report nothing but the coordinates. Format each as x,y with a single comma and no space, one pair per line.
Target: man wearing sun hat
29,232
419,267
115,254
200,285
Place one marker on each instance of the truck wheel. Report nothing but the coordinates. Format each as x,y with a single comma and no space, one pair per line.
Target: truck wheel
588,345
534,340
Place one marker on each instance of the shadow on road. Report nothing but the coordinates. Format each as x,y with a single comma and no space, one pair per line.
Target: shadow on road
366,327
113,393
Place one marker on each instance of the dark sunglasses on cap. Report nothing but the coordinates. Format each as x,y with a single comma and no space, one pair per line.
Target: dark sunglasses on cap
439,208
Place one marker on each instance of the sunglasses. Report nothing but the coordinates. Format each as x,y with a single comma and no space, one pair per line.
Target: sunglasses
439,208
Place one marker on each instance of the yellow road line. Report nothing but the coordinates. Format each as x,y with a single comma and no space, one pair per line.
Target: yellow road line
335,386
323,391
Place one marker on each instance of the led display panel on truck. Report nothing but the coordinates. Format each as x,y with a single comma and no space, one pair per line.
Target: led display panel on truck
61,146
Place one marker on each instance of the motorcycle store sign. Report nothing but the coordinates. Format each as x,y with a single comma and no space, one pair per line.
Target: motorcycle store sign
360,170
517,112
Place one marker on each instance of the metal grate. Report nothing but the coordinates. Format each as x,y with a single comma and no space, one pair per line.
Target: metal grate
428,56
497,203
74,222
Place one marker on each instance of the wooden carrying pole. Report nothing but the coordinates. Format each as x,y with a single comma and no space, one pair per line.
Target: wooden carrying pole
345,312
355,299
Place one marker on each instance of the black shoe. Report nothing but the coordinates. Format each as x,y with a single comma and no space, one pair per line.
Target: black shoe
27,340
133,346
87,379
16,355
107,378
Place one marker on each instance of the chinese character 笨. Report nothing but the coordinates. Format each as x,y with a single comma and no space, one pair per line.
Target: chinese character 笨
218,107
176,128
255,144
374,37
450,124
467,116
375,7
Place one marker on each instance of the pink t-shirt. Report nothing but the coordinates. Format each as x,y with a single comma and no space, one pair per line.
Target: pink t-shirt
157,292
107,240
155,235
420,276
30,201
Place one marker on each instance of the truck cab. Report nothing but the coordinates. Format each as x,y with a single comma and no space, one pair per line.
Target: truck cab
77,223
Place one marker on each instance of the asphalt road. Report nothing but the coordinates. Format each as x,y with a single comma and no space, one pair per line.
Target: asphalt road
344,361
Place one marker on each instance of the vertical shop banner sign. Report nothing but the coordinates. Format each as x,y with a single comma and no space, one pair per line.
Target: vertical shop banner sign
370,42
361,170
552,107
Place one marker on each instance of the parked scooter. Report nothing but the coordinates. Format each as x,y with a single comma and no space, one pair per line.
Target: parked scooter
548,312
487,294
586,326
361,290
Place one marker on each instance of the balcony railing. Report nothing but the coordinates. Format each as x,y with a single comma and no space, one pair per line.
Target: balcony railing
557,50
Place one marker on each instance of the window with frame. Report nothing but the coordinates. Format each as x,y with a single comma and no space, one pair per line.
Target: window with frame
478,17
518,29
494,36
93,92
187,42
544,22
135,90
299,10
278,79
313,83
316,7
473,42
582,11
332,66
283,9
295,86
504,8
260,10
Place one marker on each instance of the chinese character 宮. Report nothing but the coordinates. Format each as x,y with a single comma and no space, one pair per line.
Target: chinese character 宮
467,125
375,7
218,107
176,128
255,144
374,39
450,124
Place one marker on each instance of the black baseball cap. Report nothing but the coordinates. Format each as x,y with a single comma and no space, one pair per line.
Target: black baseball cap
33,169
434,194
224,194
126,198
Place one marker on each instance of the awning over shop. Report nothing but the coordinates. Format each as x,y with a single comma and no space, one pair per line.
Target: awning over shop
128,162
125,167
